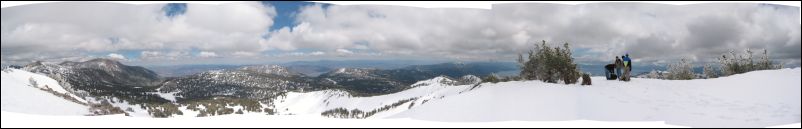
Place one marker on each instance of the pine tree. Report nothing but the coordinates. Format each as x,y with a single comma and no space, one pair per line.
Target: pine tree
491,78
549,64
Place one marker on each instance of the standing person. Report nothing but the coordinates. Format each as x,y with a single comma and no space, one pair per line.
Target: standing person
627,66
618,66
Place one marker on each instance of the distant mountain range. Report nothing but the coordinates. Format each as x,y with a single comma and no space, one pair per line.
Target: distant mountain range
315,68
105,78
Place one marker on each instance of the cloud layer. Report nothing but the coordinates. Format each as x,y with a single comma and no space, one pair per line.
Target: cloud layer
651,33
91,27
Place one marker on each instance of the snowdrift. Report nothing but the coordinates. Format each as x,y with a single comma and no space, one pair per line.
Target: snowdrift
754,99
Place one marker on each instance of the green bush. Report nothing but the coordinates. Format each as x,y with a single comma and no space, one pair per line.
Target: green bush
491,78
549,64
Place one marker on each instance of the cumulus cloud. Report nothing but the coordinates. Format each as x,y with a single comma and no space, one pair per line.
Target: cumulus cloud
299,54
116,56
394,30
65,27
597,32
653,32
317,53
205,54
650,32
159,55
344,51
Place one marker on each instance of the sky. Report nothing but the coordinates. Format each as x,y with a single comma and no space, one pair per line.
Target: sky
258,32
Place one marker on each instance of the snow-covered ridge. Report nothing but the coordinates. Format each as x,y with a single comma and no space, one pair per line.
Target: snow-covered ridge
118,73
447,81
46,68
99,63
317,102
26,92
38,81
439,80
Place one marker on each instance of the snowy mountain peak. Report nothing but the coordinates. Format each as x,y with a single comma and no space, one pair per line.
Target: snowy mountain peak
96,72
44,67
99,63
447,81
437,81
470,79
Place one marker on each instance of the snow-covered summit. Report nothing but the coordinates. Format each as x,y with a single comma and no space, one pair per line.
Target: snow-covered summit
439,80
98,63
447,81
44,67
469,79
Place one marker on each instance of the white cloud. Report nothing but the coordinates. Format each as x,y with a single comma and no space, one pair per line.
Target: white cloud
649,32
244,54
205,54
316,53
116,56
107,27
157,55
344,51
395,30
298,54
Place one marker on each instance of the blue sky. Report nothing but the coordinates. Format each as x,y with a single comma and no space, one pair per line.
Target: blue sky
286,11
174,9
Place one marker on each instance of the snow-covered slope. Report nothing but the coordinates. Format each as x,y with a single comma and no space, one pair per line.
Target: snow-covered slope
314,103
22,92
754,99
17,120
